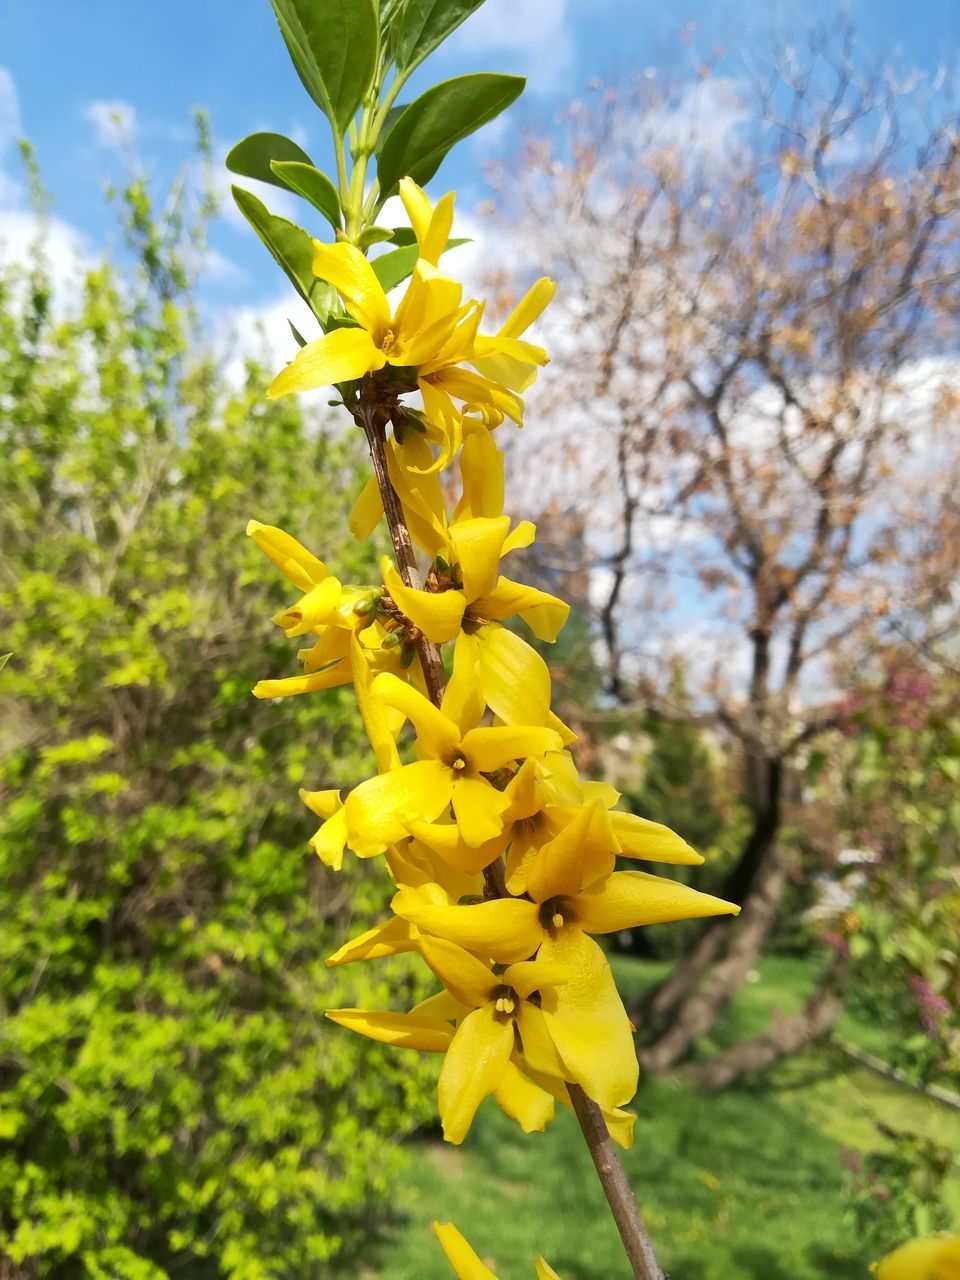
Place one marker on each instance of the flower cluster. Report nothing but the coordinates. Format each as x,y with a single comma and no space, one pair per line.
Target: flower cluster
503,860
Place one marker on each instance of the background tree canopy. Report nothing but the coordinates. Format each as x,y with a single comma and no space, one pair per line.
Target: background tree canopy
171,1101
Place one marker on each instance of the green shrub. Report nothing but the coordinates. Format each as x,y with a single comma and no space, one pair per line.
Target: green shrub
171,1102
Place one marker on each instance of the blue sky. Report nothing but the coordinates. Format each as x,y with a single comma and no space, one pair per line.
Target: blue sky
67,66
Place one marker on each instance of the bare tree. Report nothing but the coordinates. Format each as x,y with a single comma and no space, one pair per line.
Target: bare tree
755,413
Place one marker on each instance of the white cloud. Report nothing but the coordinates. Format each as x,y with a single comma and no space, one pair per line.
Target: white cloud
534,35
64,248
263,333
114,123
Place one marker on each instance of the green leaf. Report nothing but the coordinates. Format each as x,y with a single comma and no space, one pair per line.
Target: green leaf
4,659
373,235
298,337
252,157
292,249
437,120
392,268
426,23
393,115
333,45
313,185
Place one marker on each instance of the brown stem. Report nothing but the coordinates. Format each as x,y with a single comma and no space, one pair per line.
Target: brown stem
429,654
616,1188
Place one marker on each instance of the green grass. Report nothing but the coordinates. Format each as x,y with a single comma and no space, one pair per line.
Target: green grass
746,1185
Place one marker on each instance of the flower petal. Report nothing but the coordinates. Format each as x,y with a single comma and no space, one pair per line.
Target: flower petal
539,1051
463,700
489,749
388,939
629,899
294,561
467,978
330,841
640,838
339,356
438,614
461,1257
589,1024
522,536
577,853
529,308
437,735
932,1258
322,803
481,473
447,842
315,609
522,1100
513,677
543,613
505,929
431,225
377,808
350,273
472,1069
442,1005
477,545
527,976
402,1030
479,809
329,678
378,719
366,511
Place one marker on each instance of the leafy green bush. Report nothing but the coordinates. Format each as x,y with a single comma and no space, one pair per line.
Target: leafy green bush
170,1101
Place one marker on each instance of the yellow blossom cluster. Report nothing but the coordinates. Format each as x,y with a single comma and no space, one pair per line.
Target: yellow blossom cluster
503,860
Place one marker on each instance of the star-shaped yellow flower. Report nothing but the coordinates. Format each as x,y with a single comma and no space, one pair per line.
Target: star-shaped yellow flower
452,768
341,617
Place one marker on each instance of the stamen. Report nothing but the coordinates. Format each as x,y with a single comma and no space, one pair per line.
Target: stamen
556,914
504,1001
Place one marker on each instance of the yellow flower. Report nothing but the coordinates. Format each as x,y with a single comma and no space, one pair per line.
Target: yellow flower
933,1258
468,597
427,1028
467,1265
451,769
423,325
490,1009
588,1026
432,333
339,616
505,366
558,903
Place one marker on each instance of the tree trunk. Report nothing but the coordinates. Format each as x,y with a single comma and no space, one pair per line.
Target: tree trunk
765,783
765,779
787,1036
697,1014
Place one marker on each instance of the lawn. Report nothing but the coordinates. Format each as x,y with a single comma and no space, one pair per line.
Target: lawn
746,1185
